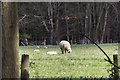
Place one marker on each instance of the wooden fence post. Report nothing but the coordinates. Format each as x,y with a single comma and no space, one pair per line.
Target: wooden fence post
25,67
115,60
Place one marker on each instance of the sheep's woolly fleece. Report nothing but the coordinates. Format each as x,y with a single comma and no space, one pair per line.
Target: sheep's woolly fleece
65,45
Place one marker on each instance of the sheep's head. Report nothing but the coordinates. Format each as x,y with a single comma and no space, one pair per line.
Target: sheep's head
69,50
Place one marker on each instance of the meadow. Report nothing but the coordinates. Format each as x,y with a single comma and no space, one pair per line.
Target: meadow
85,60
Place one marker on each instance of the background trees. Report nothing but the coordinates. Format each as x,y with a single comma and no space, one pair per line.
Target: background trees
58,21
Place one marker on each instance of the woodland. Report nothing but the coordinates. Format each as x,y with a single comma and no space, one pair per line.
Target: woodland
56,21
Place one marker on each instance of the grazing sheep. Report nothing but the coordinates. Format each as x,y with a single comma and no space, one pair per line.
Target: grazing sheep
65,46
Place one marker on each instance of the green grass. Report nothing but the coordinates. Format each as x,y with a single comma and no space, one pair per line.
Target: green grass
85,61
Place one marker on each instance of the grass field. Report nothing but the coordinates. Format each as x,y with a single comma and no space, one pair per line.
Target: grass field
85,61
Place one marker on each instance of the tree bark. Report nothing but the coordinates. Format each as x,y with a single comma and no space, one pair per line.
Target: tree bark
119,22
105,23
50,14
118,8
90,24
87,22
0,40
10,38
98,22
66,23
57,24
94,21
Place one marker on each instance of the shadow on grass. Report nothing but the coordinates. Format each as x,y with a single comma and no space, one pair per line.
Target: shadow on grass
81,78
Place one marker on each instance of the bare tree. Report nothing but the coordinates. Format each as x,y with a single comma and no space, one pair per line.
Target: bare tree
50,15
57,36
87,21
66,20
105,22
100,12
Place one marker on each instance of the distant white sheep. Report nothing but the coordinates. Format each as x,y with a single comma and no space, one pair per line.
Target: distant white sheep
52,52
36,50
65,46
45,47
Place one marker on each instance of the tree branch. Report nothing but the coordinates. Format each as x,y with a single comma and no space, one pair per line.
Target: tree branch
108,59
114,6
22,18
45,26
43,22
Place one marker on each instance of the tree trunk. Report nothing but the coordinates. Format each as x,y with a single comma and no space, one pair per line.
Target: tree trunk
90,24
10,41
98,22
118,8
105,23
57,25
94,21
0,40
79,21
87,22
50,14
66,23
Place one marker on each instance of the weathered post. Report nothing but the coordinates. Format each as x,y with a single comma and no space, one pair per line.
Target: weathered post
115,59
25,67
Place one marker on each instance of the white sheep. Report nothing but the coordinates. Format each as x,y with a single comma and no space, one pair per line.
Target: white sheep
52,52
65,46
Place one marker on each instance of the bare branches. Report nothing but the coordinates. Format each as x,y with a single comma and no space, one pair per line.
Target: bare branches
43,22
108,59
22,18
115,8
45,25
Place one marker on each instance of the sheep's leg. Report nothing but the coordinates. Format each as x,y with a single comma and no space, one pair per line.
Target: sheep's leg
62,50
65,51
